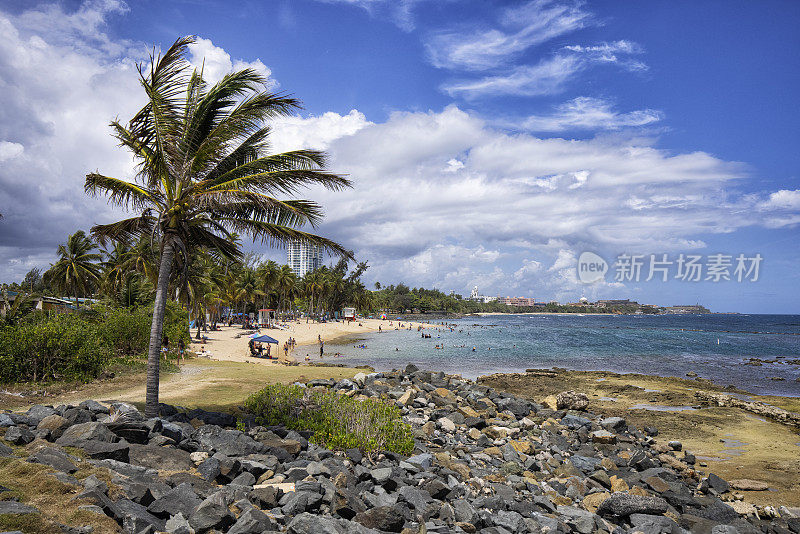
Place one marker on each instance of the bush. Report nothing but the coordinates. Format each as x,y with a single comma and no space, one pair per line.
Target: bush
80,345
338,422
63,346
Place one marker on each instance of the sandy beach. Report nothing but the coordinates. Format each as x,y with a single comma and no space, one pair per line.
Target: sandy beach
230,342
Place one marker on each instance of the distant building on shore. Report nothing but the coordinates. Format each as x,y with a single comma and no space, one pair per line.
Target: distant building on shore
475,297
692,308
517,301
616,303
303,257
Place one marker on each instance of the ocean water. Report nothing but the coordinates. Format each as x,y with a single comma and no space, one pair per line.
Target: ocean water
713,346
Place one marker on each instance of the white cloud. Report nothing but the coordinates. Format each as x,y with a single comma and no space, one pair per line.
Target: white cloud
585,113
545,78
399,11
315,132
62,80
614,52
550,75
783,199
215,63
524,26
10,150
433,189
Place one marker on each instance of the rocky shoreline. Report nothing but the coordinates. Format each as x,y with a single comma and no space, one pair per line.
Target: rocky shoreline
485,461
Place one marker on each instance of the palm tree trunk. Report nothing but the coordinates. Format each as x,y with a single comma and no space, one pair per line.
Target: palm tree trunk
153,353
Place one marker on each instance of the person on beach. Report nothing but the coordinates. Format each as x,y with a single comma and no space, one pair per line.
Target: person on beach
165,346
321,349
181,349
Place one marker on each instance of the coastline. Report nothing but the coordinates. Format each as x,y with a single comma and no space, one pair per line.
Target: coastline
230,342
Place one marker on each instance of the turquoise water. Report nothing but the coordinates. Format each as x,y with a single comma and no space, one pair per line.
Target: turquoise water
713,346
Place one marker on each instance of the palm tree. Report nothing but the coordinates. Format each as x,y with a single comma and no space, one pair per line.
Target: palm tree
115,267
76,270
204,171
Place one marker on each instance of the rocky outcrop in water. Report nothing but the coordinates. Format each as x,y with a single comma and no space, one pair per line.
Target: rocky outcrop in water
485,462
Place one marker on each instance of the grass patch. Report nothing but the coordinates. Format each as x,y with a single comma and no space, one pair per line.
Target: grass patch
337,421
33,484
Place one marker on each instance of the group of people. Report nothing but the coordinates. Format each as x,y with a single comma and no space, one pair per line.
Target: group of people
165,348
257,350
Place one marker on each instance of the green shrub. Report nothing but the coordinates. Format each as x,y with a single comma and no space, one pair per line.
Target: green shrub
78,346
63,346
337,421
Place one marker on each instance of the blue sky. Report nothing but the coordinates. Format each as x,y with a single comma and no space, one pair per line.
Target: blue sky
490,142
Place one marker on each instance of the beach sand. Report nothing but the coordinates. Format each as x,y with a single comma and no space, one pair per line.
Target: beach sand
224,345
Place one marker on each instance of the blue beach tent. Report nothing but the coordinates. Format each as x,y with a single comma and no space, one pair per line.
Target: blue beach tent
265,339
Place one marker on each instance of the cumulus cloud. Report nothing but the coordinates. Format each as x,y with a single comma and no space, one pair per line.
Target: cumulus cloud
586,113
434,191
63,80
521,27
215,63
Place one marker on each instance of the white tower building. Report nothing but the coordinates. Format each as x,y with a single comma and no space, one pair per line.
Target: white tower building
303,257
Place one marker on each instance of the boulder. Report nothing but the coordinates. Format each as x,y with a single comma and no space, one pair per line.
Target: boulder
212,513
160,458
91,431
625,504
135,518
383,518
103,450
17,435
572,400
306,523
55,424
253,521
228,442
55,458
745,484
179,499
16,508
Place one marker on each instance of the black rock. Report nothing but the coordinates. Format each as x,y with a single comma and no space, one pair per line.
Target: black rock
266,497
718,484
354,455
91,431
135,518
103,450
213,418
133,432
209,469
383,518
253,521
180,499
212,513
160,458
55,458
18,435
76,416
297,502
16,508
625,504
228,442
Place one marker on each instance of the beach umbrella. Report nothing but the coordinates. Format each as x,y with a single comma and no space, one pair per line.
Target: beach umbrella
265,339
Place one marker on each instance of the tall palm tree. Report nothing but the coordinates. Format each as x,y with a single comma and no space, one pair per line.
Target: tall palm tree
204,171
115,267
286,282
77,268
268,274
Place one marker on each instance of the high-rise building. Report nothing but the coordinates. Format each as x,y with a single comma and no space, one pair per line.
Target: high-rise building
303,257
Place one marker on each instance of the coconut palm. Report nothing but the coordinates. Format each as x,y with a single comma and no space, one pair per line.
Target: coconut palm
77,268
204,171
